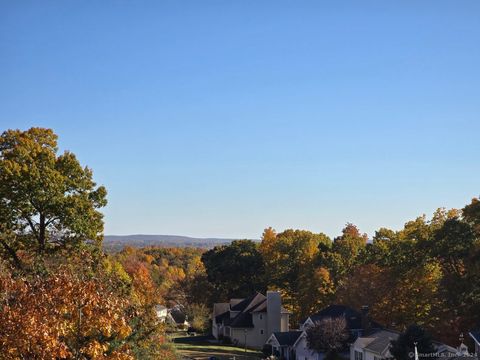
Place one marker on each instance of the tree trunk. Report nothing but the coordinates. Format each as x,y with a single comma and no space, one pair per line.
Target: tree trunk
41,236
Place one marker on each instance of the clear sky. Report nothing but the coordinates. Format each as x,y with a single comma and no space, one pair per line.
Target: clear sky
220,118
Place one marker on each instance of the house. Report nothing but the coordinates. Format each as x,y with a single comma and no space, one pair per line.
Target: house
221,311
373,345
178,318
356,322
283,343
161,312
303,352
475,335
251,321
175,316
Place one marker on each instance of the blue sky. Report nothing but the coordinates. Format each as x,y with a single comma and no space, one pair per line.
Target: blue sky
220,118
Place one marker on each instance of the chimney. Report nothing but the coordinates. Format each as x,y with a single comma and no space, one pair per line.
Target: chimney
274,308
366,323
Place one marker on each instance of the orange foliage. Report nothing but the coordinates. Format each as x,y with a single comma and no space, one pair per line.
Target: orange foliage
61,316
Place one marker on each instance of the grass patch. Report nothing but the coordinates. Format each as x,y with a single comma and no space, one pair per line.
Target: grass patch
204,349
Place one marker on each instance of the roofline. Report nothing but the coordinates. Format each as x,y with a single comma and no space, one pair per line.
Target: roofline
365,347
308,318
273,336
302,335
376,352
474,338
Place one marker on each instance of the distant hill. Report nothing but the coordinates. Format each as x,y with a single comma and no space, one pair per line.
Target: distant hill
113,243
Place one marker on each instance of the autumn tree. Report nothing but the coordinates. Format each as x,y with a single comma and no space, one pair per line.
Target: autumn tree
345,252
328,335
269,255
65,315
60,296
369,285
199,316
47,201
291,259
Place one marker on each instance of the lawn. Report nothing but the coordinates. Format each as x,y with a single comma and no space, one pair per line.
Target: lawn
199,348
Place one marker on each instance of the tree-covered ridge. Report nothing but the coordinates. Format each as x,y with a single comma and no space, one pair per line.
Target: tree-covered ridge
115,243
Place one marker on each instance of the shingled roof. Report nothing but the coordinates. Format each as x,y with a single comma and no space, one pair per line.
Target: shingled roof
250,302
353,317
244,307
380,340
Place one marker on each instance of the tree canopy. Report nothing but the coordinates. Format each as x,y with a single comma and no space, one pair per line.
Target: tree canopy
47,201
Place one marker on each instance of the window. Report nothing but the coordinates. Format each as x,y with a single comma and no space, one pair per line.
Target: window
261,331
261,316
358,355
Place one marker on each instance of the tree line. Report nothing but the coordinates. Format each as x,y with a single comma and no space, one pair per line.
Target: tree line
427,273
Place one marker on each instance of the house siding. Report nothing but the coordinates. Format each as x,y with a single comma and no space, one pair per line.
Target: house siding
267,320
304,353
255,340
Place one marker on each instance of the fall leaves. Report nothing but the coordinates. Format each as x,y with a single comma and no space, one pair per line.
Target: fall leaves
60,296
62,316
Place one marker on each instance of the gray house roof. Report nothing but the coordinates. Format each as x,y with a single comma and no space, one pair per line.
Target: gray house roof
248,303
353,317
178,315
242,309
381,340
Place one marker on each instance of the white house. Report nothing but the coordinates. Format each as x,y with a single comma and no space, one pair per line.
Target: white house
283,344
302,352
250,321
373,346
161,312
356,322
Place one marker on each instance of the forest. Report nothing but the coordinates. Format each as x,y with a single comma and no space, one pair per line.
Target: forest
62,297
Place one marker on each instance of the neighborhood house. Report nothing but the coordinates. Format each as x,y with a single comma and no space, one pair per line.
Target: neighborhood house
251,321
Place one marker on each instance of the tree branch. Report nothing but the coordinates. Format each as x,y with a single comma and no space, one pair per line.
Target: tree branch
13,254
32,226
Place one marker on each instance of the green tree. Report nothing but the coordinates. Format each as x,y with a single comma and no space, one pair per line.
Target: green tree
345,254
235,270
47,201
471,214
452,243
404,346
